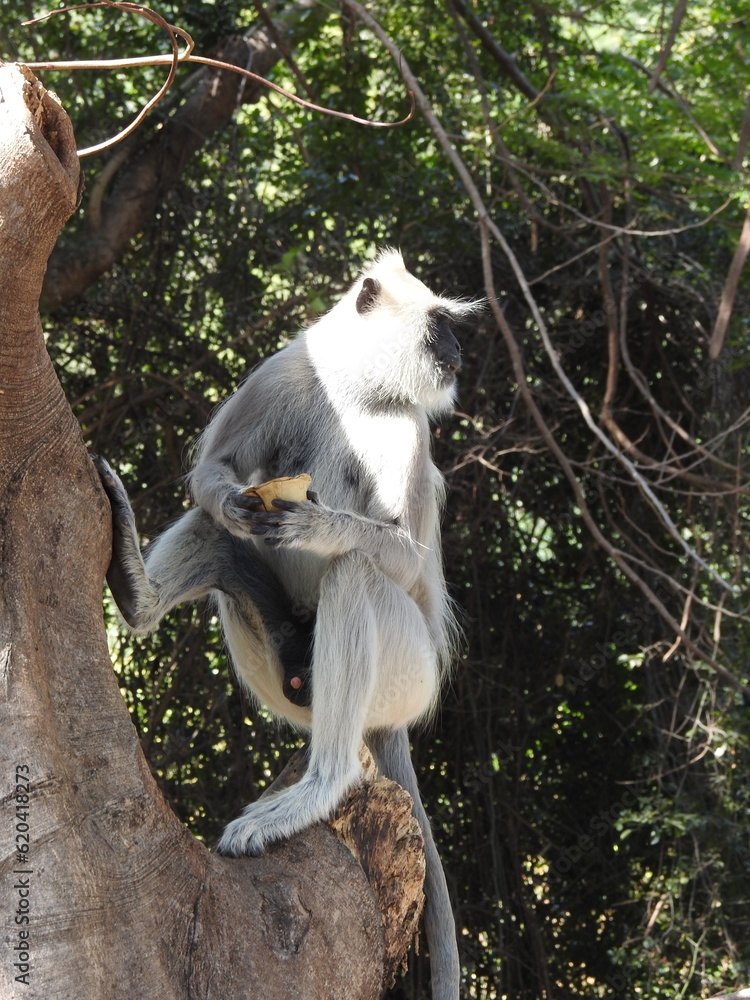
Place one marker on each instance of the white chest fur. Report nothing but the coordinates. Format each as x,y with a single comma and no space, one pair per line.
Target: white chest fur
389,447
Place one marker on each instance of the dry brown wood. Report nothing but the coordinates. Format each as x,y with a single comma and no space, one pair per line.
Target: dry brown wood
377,825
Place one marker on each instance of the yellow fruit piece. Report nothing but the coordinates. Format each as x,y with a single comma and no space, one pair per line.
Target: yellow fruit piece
285,488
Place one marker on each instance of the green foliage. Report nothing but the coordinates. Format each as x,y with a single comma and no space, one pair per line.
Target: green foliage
589,796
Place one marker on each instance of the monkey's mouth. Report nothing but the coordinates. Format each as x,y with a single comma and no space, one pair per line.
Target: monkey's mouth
447,369
446,356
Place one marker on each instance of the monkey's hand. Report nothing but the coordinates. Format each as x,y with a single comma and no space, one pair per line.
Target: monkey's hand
293,523
237,512
332,533
312,526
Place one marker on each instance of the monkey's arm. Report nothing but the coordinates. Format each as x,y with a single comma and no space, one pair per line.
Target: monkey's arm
329,533
236,442
216,487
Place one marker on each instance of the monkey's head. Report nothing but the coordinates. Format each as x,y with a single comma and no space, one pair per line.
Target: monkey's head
391,341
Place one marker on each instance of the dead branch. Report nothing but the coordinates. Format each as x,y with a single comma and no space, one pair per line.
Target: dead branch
677,15
729,291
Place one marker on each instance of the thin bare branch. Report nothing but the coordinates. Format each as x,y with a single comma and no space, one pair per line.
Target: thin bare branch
680,101
677,16
173,61
729,291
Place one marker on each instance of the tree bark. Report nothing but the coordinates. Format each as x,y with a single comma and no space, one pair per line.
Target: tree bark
143,170
103,892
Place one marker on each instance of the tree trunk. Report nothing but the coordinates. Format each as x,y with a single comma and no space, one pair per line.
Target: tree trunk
103,892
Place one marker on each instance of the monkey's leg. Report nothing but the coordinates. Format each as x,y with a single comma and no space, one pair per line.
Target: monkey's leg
258,593
373,665
180,565
186,563
391,752
126,576
355,598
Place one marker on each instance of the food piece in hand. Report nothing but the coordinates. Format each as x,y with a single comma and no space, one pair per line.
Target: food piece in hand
285,488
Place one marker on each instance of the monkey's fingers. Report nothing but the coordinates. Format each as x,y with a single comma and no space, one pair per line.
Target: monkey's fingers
107,475
287,504
271,540
250,503
262,519
260,529
269,531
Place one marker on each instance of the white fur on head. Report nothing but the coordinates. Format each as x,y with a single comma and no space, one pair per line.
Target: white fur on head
380,355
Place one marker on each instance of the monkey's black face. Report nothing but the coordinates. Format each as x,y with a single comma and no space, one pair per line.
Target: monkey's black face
443,346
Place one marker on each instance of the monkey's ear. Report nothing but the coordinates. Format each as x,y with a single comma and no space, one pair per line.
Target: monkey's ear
368,295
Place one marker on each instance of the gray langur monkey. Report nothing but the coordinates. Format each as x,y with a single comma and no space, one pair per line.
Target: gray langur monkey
334,609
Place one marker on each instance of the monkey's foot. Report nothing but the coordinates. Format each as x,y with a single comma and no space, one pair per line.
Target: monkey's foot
281,814
239,838
264,822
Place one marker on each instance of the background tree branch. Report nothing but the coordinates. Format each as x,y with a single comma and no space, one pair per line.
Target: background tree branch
139,174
